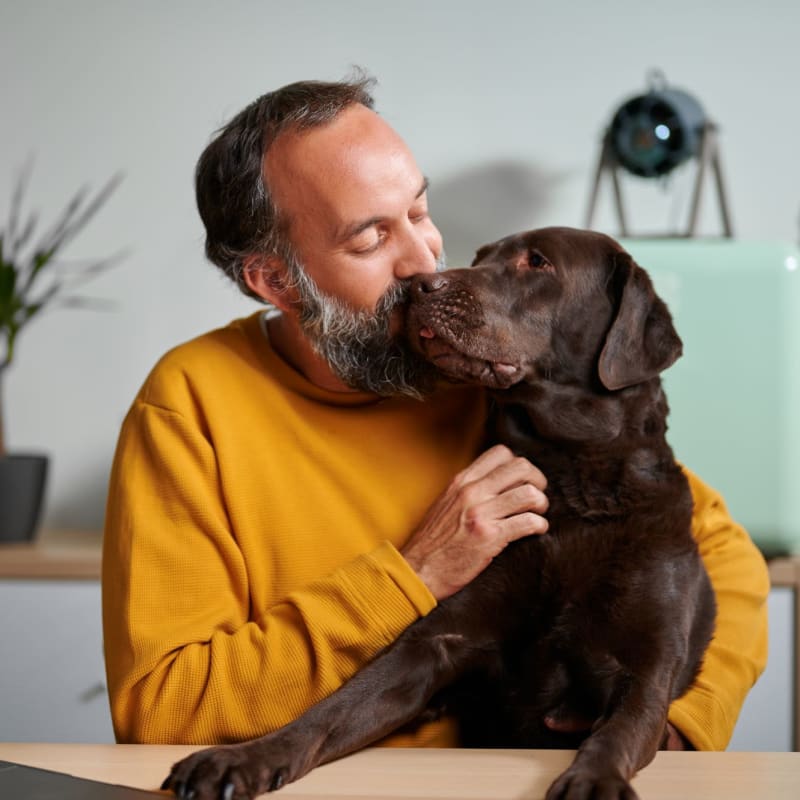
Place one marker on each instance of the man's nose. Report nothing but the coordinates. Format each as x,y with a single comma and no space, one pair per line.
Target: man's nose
417,255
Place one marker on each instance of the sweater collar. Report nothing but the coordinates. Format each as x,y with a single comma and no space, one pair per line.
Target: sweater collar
293,380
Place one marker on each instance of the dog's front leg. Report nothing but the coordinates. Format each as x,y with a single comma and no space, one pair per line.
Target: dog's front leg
390,691
620,744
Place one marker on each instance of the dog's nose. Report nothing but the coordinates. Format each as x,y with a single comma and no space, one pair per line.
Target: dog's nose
428,282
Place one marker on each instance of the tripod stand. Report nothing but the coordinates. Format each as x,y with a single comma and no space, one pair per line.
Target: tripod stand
708,158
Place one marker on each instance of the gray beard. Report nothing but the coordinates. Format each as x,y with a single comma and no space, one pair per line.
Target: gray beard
358,345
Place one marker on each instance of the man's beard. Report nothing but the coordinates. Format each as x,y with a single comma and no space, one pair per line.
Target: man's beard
358,345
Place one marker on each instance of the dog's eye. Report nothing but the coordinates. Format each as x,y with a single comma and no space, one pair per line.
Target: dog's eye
538,261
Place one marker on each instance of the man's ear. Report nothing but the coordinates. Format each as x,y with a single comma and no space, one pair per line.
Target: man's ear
266,276
642,341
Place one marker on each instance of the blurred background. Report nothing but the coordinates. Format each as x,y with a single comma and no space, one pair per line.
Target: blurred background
503,103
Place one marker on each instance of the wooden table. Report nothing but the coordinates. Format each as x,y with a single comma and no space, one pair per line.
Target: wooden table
393,774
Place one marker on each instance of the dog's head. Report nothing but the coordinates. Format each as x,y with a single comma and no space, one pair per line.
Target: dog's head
556,304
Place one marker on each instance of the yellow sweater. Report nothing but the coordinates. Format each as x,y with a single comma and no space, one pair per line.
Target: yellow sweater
250,561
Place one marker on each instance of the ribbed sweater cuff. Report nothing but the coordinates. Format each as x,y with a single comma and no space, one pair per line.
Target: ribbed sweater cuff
701,718
382,563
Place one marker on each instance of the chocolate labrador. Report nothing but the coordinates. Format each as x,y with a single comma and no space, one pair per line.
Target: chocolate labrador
606,617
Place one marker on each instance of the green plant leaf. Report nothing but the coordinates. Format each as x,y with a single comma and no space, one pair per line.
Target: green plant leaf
32,309
40,259
29,284
15,209
48,295
8,282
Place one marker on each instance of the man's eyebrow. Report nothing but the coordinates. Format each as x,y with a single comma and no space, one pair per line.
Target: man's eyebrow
350,231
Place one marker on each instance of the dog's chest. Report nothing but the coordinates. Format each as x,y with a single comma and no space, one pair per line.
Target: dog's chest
574,569
587,601
567,595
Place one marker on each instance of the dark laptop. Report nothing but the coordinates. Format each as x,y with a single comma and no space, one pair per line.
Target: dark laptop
20,782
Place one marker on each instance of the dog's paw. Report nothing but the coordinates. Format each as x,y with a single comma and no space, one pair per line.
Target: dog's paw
582,784
227,772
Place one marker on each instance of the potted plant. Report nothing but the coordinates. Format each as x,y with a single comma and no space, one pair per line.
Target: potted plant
32,278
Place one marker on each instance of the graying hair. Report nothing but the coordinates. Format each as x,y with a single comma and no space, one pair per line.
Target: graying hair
240,216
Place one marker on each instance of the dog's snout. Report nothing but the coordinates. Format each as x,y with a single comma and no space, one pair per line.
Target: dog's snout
427,283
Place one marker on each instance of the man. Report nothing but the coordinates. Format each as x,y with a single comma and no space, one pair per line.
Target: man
282,506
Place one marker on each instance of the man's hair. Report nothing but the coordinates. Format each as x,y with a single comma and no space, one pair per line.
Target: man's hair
235,203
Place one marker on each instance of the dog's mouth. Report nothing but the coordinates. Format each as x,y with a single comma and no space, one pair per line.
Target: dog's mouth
461,363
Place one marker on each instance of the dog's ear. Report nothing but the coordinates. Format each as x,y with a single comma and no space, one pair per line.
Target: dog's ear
642,341
481,253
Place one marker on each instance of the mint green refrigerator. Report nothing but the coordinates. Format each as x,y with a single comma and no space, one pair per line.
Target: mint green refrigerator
735,394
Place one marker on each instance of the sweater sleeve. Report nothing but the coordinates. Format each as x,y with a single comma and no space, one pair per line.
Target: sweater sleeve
737,655
188,660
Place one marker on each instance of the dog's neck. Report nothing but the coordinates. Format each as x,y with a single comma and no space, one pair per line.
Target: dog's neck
592,448
570,416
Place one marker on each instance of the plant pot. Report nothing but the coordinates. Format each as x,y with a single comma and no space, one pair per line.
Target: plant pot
22,483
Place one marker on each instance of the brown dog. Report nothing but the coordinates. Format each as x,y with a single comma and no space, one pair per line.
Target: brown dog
606,617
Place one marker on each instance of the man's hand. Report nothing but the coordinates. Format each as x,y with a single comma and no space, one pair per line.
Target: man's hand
566,723
495,500
675,740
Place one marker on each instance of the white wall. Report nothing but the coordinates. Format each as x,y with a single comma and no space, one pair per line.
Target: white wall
503,103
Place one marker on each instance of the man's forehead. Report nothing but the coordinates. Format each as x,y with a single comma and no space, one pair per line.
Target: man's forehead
354,135
344,174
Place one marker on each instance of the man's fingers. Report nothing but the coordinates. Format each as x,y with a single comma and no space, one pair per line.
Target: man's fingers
497,470
509,499
495,500
525,497
516,471
521,525
486,463
515,513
